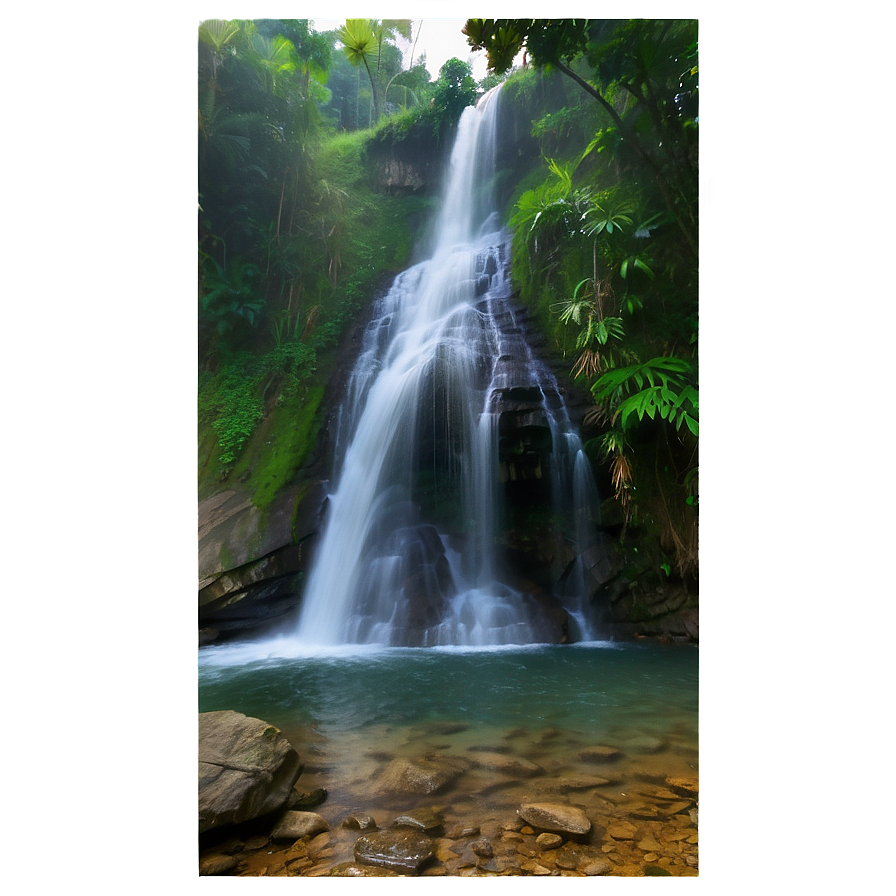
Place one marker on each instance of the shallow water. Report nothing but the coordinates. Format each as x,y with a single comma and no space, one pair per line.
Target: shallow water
354,713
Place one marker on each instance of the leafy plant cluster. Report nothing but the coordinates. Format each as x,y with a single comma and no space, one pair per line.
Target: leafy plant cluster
605,246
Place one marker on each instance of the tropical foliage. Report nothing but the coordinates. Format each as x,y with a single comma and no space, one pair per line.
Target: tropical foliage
293,232
605,245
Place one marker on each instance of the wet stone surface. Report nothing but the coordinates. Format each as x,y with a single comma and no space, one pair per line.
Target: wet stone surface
396,849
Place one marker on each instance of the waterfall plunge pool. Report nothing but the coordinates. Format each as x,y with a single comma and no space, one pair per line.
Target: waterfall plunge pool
359,715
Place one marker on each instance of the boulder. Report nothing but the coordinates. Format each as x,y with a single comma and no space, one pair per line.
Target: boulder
555,817
398,849
247,768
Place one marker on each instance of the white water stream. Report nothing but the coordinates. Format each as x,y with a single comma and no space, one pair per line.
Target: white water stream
408,556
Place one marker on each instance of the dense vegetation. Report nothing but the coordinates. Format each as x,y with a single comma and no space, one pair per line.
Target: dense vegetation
605,250
601,190
294,232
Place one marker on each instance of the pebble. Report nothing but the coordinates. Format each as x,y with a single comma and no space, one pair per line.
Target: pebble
549,840
482,848
597,868
360,821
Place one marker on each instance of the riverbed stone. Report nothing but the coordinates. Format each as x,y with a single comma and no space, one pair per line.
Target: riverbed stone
556,817
600,753
247,768
215,864
686,783
597,868
295,825
398,849
426,821
359,821
483,848
622,830
549,840
582,782
512,766
403,777
463,831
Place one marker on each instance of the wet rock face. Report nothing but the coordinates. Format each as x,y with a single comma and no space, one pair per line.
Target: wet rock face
246,769
399,849
248,561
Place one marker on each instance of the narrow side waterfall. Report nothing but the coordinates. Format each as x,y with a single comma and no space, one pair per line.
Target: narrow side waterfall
447,415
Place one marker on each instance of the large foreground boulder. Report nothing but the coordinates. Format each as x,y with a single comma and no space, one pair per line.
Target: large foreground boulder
247,768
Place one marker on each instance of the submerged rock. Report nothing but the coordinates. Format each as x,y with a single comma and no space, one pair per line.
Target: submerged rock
247,768
556,817
425,820
507,765
403,777
396,849
216,864
600,753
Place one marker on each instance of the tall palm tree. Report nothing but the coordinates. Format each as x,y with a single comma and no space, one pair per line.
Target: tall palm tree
360,44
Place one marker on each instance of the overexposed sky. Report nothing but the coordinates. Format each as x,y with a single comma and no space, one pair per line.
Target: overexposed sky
440,39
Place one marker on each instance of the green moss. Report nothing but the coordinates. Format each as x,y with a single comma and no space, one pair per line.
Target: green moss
285,441
226,558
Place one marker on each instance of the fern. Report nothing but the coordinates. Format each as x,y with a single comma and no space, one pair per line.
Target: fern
656,388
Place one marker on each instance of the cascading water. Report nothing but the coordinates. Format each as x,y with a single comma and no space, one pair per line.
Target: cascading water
446,410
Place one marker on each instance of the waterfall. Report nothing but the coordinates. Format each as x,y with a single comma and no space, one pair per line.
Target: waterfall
447,411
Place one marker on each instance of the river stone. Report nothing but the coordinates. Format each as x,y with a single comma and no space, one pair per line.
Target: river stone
295,825
622,830
360,821
597,868
398,849
555,817
657,793
687,784
425,820
547,840
507,765
307,801
406,778
483,848
247,768
600,753
582,783
216,864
